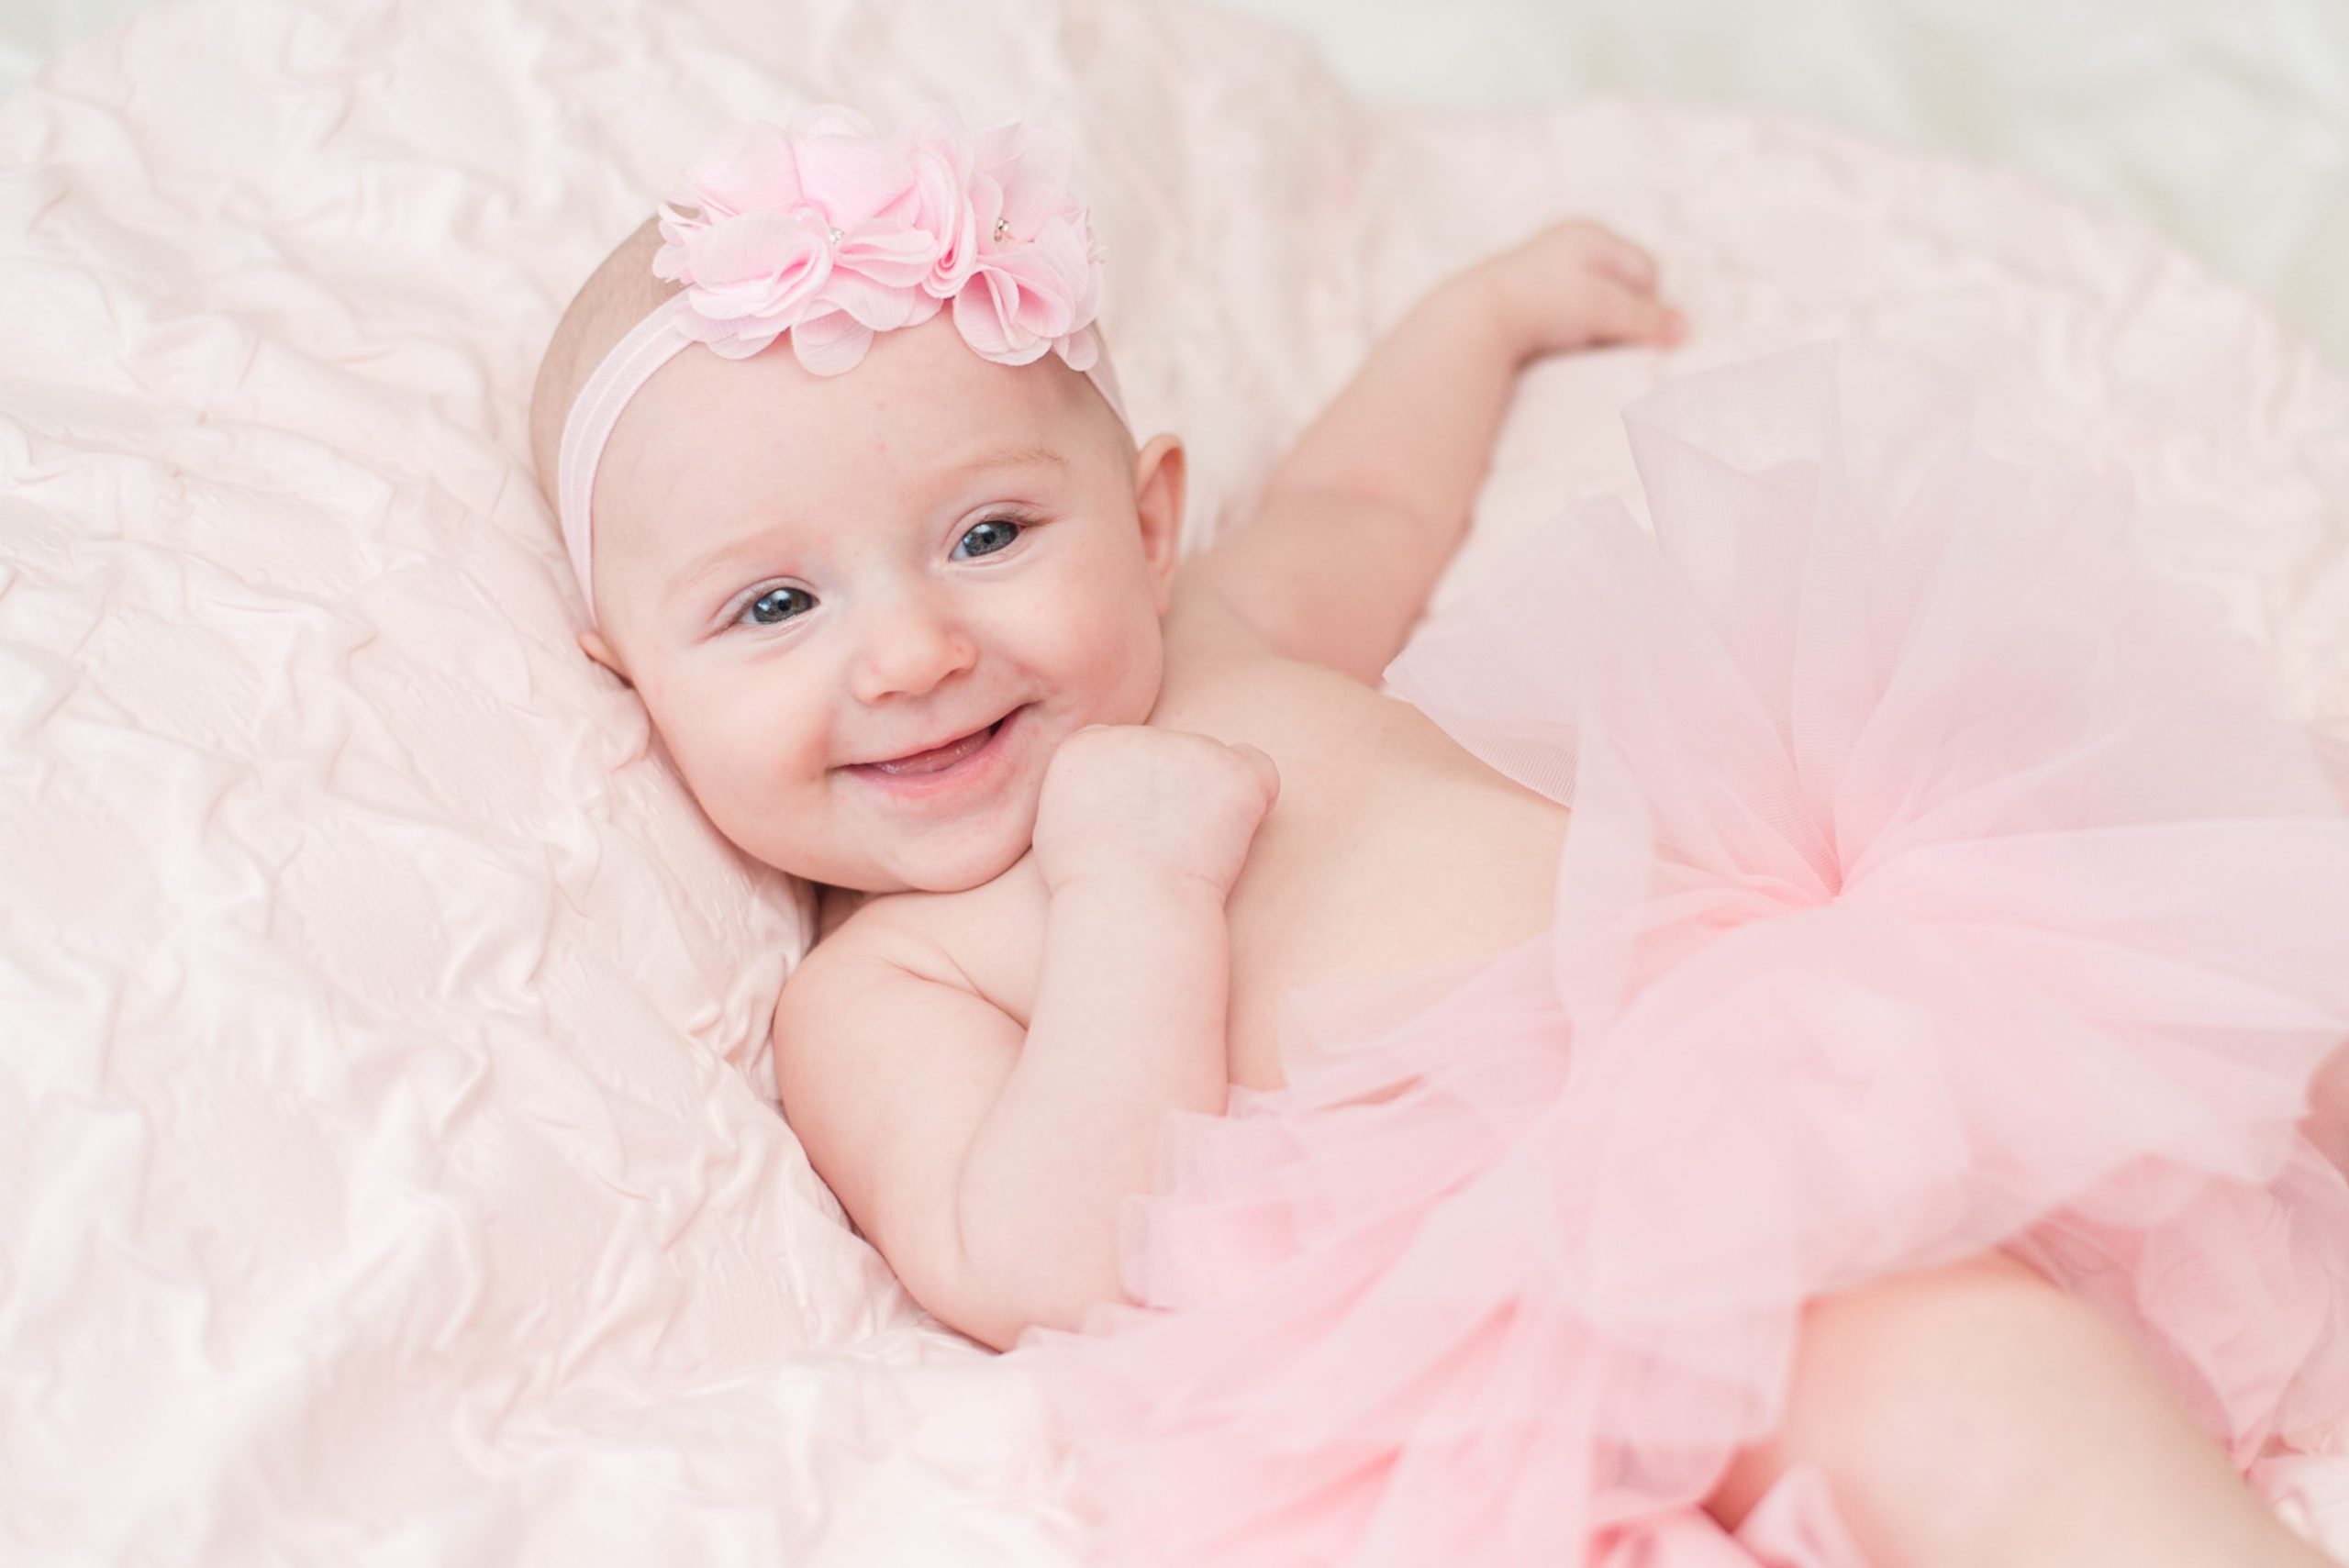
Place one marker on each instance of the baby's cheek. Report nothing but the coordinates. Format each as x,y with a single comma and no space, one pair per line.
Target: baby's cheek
786,821
733,761
1106,642
1139,665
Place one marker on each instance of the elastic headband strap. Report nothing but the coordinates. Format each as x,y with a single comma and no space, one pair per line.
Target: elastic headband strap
649,345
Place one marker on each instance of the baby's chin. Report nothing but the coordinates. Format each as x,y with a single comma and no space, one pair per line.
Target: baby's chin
936,864
957,875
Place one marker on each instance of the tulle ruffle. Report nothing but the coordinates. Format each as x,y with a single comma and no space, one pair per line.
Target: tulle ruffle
1939,879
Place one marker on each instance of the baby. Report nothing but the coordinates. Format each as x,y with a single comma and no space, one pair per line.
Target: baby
908,607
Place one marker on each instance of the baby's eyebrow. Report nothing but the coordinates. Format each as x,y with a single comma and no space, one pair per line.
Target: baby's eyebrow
1023,456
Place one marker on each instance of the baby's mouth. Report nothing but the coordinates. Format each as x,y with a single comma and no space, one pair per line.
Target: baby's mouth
939,758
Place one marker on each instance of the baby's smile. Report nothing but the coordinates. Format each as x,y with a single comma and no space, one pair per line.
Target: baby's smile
961,769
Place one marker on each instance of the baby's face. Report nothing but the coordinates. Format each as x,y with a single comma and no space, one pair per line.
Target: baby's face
805,575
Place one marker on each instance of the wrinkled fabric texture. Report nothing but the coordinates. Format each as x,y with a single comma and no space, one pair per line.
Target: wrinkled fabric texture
389,1166
1937,881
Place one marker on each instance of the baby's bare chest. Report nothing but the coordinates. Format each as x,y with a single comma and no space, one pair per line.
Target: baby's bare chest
1391,848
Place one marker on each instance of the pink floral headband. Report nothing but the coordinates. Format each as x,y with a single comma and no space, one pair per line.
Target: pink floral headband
830,233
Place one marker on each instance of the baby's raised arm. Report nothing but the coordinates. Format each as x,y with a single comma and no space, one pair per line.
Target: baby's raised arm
1359,519
989,1170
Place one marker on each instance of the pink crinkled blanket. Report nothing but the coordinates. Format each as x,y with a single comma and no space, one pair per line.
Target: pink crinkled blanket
389,1171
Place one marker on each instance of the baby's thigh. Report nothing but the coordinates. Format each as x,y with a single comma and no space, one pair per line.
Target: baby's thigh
1971,1412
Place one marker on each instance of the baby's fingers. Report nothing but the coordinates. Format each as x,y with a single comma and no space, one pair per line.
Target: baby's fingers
1612,312
1613,255
1577,284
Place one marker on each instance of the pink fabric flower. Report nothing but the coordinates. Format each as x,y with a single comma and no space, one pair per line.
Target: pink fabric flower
832,233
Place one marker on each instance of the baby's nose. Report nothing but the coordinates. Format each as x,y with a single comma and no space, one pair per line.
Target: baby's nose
909,644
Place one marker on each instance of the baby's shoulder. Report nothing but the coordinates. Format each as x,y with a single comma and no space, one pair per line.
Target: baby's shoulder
856,929
971,939
870,951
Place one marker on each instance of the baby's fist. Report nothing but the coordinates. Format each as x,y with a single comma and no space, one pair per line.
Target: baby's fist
1130,800
1576,285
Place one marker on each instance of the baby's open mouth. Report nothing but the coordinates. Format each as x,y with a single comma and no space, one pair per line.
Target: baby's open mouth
939,758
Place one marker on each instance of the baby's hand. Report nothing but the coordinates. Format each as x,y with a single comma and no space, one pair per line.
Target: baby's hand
1576,284
1130,800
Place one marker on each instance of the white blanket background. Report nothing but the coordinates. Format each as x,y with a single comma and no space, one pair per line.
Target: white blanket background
388,1167
2226,126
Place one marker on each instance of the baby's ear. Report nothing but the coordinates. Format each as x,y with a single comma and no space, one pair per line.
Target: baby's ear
1158,504
592,643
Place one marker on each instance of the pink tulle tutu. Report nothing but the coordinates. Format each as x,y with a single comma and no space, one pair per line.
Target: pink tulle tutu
1938,879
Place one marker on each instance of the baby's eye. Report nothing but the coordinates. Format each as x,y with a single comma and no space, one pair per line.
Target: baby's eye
993,535
774,606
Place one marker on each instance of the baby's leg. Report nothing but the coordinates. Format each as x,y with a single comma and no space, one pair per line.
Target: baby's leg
1975,1414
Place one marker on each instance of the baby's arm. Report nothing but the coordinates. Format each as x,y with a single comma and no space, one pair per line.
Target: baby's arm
1129,1024
1360,518
990,1171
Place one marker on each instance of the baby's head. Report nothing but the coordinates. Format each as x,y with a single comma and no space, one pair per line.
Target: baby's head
805,573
